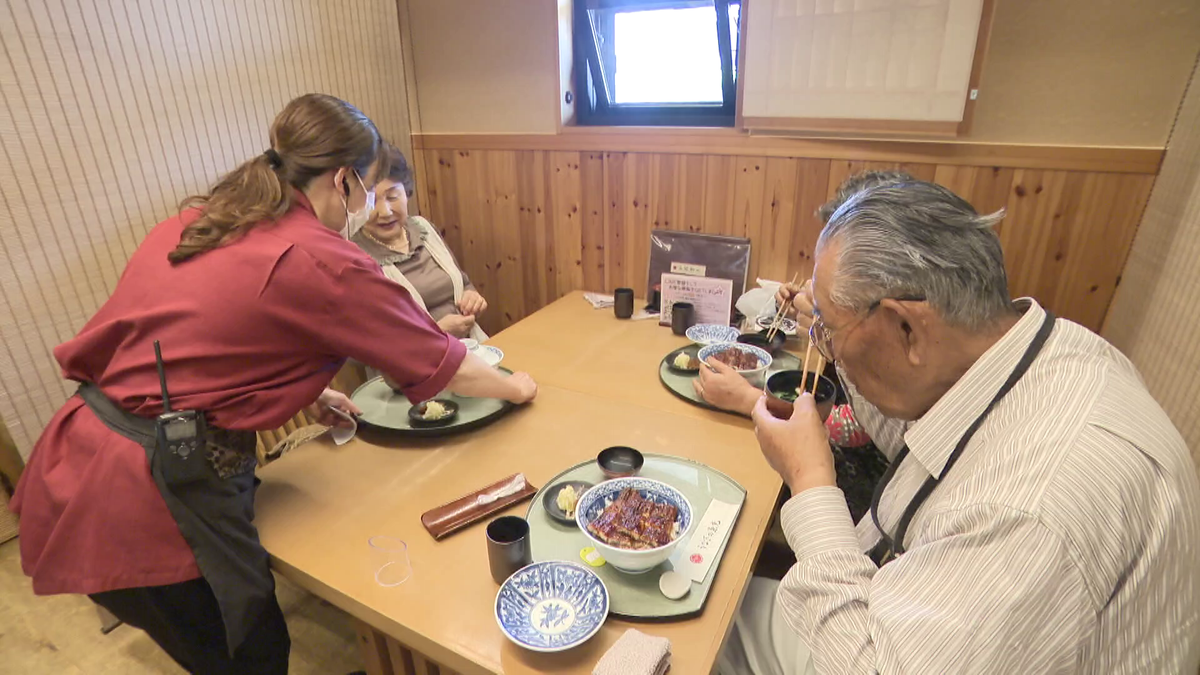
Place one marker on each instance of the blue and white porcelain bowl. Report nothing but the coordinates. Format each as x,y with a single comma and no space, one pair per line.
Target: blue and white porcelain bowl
491,355
551,606
712,333
786,326
631,561
754,374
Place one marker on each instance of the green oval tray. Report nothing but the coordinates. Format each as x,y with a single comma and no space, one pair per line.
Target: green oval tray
387,411
636,596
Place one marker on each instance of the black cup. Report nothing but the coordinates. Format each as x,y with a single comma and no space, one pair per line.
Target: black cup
655,301
508,546
682,314
623,303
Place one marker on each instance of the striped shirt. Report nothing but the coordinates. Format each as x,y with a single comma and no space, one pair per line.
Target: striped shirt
1066,539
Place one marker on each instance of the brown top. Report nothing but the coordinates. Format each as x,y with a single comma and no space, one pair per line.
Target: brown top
419,267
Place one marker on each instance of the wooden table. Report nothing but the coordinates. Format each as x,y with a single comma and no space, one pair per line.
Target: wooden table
319,504
570,345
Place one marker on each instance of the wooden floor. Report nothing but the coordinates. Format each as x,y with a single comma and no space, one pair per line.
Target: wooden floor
61,634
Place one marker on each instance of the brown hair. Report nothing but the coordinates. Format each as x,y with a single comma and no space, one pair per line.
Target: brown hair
313,134
398,169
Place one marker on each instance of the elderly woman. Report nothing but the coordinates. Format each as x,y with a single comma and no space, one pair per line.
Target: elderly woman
413,254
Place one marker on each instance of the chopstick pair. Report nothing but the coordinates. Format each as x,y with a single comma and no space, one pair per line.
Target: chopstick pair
781,314
820,369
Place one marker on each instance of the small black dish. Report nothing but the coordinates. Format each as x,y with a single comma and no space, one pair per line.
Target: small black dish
415,414
550,500
692,351
620,461
759,340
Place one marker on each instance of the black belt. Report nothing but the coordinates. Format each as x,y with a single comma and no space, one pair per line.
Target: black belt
213,512
891,546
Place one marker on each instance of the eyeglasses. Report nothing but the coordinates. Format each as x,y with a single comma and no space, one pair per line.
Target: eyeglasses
821,336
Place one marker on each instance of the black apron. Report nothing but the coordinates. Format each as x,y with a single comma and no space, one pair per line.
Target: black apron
213,510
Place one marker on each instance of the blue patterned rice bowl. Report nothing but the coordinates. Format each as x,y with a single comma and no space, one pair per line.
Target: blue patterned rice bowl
551,606
712,333
764,358
633,561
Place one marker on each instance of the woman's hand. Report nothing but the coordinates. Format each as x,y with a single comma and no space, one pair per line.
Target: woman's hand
797,448
457,325
802,305
524,388
723,387
330,399
472,303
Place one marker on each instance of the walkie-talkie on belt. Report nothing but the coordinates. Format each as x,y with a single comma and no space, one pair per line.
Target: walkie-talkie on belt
181,433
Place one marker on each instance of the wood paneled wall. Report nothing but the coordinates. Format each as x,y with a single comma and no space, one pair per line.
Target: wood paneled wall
114,111
532,225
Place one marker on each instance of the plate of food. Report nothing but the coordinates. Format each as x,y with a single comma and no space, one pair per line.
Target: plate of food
635,523
684,360
711,333
432,413
786,326
560,500
748,360
551,606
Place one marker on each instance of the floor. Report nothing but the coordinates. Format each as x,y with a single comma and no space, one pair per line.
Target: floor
60,634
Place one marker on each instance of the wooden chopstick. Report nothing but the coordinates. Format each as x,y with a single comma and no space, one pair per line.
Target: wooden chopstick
804,373
781,313
820,369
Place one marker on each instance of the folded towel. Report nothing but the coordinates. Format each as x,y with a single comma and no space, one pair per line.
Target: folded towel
599,300
636,653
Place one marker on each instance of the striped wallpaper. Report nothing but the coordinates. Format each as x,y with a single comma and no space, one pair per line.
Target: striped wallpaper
114,110
1155,316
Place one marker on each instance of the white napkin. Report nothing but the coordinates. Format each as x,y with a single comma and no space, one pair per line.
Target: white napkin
512,487
342,435
599,300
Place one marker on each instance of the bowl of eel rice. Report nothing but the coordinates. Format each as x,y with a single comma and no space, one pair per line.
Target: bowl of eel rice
635,523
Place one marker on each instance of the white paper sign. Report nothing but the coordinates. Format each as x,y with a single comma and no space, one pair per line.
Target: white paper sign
701,552
711,297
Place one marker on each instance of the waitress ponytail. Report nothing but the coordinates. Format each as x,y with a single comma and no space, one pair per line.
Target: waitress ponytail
315,133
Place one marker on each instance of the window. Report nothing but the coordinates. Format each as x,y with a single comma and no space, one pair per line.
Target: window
656,62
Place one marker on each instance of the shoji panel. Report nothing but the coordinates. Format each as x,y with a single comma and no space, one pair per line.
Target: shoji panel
114,110
1155,318
859,59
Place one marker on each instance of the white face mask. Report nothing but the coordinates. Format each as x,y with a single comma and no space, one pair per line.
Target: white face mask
355,220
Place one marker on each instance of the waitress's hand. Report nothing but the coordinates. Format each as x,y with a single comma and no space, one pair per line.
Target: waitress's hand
524,388
724,388
802,305
335,399
472,303
457,325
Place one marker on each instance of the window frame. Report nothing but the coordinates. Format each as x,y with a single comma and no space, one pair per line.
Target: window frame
592,104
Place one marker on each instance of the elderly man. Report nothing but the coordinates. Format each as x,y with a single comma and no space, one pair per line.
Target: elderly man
1040,514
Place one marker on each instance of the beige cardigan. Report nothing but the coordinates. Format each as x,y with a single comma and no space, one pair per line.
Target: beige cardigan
441,255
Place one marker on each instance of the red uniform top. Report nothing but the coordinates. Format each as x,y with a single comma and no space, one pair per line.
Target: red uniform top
251,333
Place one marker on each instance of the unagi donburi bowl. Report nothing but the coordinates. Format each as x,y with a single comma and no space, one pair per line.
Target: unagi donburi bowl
627,560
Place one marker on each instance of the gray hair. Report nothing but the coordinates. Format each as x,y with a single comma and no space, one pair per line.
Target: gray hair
918,239
856,184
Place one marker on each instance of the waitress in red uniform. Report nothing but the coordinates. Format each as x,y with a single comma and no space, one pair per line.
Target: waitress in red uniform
256,298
